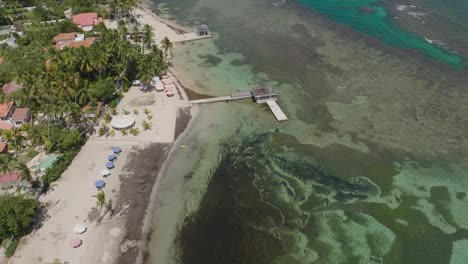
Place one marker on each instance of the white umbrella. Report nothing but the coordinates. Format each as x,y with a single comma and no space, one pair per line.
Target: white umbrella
79,228
105,172
122,121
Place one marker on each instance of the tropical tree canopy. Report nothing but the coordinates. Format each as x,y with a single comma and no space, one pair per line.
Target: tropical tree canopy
16,214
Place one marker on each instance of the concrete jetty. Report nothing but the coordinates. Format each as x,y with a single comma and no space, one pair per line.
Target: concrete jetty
279,114
263,94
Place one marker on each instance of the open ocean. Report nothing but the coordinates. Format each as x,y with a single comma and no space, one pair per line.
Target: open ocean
372,165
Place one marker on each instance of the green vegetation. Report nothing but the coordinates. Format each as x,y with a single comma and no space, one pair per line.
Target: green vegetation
11,248
16,214
146,125
54,172
58,84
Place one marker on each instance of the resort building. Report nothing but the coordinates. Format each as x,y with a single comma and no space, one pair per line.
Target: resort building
72,40
92,111
11,87
86,21
3,147
263,94
202,30
10,179
6,110
20,116
13,117
5,125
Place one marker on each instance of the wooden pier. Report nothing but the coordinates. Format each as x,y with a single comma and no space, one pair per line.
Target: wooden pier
279,114
259,94
236,96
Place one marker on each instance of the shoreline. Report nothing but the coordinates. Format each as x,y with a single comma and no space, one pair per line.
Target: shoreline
133,185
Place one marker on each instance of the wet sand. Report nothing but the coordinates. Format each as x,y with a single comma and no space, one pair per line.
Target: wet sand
137,183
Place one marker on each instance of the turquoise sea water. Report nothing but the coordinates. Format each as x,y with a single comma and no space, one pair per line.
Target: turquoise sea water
371,166
374,20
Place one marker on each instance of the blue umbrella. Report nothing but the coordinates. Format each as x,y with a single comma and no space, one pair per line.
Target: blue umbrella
100,184
112,157
110,165
116,150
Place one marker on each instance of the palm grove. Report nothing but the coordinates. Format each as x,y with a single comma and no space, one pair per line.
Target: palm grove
57,84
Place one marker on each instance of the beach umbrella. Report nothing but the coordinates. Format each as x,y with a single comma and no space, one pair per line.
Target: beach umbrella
75,242
79,228
110,165
116,150
112,157
105,172
100,183
169,93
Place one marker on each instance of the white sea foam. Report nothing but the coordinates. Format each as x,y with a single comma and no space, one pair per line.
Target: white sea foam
401,7
417,15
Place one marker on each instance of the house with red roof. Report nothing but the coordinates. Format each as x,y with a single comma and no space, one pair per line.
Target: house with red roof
10,179
3,147
20,116
11,87
6,110
72,40
5,125
86,21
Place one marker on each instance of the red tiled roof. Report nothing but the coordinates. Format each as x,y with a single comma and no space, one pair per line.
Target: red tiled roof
10,177
65,36
5,108
85,43
20,114
3,146
5,125
10,87
87,19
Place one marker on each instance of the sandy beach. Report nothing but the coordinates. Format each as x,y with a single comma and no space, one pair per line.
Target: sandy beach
119,237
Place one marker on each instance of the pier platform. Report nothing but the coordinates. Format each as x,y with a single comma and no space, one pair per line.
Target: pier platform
260,95
280,116
236,96
189,37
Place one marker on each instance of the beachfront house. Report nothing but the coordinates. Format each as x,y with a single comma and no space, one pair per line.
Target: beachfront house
6,110
3,147
202,30
20,116
72,40
10,179
262,94
93,110
86,21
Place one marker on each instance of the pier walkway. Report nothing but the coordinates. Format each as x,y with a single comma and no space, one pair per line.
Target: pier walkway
236,96
270,101
274,107
188,37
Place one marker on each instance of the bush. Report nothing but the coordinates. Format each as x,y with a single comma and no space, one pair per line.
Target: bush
54,172
16,214
11,248
103,89
64,140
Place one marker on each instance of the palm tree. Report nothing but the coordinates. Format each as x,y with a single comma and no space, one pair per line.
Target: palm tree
148,35
24,170
35,136
5,161
101,199
167,46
